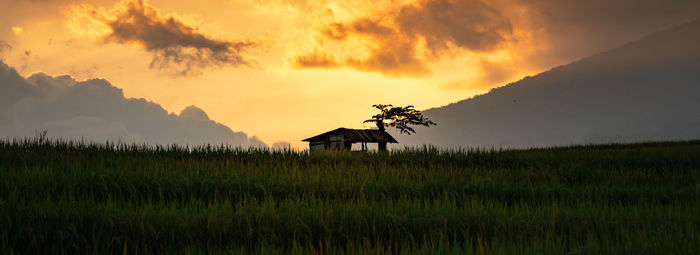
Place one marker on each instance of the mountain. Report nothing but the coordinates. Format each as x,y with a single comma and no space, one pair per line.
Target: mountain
646,90
96,111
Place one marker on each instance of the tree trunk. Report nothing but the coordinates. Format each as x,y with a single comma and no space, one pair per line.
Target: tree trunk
380,125
382,146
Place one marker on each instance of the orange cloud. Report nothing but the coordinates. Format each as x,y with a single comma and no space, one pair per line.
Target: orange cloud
468,24
401,43
177,47
413,38
316,60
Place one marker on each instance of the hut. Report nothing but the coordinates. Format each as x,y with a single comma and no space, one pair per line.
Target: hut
343,138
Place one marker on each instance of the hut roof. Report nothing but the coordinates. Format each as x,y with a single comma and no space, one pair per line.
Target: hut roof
356,135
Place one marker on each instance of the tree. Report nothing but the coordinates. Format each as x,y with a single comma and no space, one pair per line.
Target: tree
402,118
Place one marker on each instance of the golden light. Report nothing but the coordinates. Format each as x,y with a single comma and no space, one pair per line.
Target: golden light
85,20
264,100
17,30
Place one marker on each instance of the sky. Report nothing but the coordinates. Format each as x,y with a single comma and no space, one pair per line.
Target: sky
284,70
643,91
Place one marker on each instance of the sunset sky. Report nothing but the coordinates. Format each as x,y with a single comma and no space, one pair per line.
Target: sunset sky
285,70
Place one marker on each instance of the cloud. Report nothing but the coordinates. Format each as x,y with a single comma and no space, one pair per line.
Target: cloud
4,47
94,110
390,52
576,29
177,48
402,43
316,60
405,40
643,91
468,24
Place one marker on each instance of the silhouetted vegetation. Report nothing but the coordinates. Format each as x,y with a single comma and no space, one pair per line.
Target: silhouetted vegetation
67,197
402,118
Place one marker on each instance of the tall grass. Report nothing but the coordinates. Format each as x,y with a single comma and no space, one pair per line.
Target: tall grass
72,197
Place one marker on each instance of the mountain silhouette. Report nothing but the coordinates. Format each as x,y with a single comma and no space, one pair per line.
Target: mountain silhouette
646,90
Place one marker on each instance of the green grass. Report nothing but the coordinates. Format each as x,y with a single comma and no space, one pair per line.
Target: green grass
66,197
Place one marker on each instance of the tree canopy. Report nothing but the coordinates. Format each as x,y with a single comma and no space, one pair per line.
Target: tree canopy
402,118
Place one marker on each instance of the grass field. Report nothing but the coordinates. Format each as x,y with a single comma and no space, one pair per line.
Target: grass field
62,197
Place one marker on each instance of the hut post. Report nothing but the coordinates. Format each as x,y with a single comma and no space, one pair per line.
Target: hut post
381,145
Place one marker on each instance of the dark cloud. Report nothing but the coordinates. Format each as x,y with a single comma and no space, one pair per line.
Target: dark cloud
575,29
395,49
177,47
539,33
94,110
469,24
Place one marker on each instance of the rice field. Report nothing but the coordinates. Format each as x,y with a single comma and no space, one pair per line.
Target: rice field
65,197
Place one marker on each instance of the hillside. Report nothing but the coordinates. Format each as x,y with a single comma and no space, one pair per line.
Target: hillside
644,91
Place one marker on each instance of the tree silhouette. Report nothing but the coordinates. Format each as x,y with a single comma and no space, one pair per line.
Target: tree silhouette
402,118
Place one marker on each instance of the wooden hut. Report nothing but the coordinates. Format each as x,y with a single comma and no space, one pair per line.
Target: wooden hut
343,138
